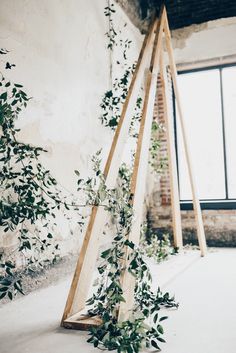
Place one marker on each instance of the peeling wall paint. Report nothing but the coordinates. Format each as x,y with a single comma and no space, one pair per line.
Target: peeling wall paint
61,56
205,41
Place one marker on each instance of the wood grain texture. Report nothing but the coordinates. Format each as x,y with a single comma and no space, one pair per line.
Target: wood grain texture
82,323
196,204
138,180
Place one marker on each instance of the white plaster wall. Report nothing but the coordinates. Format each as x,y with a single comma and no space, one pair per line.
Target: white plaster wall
59,48
209,40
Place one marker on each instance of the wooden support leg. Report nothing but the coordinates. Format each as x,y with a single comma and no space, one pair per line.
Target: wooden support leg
175,204
128,282
196,204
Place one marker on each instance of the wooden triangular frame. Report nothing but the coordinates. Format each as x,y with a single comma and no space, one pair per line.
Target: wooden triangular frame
152,53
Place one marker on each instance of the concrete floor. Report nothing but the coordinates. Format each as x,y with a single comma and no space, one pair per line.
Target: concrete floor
204,323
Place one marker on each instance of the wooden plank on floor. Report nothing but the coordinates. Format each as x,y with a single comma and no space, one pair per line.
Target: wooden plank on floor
82,323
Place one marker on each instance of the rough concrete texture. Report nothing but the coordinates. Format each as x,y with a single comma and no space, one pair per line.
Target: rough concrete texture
205,321
49,275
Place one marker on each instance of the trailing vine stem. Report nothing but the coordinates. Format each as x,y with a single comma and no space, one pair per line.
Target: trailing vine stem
30,197
133,334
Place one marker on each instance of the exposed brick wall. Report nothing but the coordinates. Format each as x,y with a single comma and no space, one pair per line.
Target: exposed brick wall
220,225
163,154
159,199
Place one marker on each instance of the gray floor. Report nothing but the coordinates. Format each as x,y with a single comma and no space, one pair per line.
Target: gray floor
204,323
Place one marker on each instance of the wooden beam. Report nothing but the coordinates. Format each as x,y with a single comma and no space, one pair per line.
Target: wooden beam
140,171
82,323
172,164
196,204
88,255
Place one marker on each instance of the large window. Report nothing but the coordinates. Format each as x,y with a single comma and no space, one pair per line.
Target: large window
209,106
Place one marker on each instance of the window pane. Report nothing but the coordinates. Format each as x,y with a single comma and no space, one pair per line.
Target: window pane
229,94
201,101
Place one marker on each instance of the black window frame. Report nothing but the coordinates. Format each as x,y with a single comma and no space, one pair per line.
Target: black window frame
207,204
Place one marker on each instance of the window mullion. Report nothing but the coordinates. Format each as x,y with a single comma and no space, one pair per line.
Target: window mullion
224,138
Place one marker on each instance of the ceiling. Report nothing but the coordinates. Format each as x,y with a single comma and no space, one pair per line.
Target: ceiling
182,13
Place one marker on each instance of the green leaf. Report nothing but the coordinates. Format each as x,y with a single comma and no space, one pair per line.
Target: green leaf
18,287
27,244
10,295
130,244
9,264
2,295
1,119
163,318
155,345
3,96
3,289
14,102
5,282
8,271
105,253
155,318
113,122
130,349
160,329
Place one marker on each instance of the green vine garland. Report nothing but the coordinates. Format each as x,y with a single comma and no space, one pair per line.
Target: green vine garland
144,328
